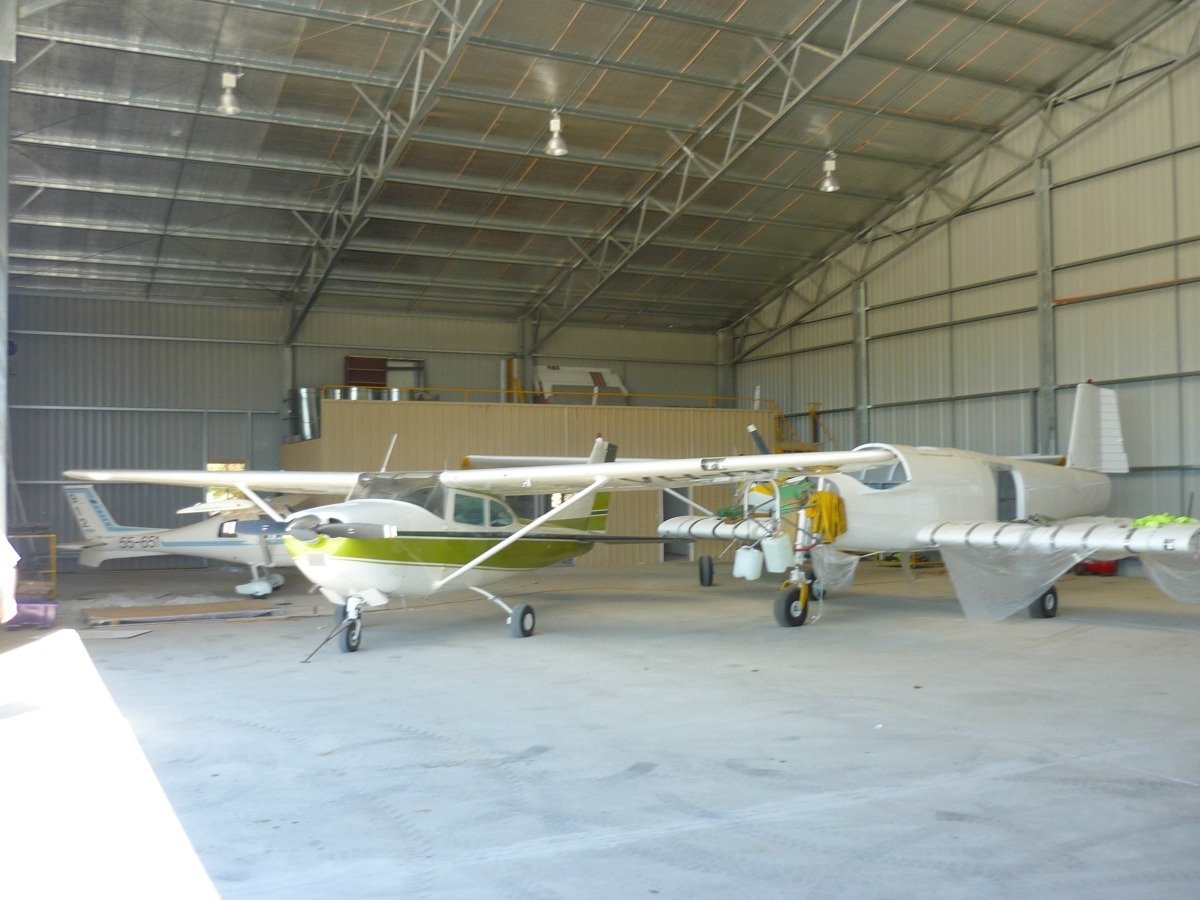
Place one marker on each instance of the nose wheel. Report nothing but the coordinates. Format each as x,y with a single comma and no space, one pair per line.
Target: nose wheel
791,606
347,625
350,627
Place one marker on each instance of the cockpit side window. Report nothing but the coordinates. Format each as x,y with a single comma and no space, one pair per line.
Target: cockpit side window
468,509
499,515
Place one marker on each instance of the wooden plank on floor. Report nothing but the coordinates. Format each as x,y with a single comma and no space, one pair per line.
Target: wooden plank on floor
227,609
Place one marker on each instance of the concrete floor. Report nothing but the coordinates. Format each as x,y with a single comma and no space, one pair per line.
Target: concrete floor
656,739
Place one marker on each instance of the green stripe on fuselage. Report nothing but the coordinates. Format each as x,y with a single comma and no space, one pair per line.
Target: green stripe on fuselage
445,550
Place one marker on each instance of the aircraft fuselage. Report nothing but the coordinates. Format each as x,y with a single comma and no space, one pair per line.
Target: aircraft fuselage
888,506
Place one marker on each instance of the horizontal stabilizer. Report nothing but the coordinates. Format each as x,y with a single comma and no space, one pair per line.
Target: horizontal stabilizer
999,568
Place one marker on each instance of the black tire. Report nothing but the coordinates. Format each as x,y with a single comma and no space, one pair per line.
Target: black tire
522,620
791,606
351,637
706,571
1045,606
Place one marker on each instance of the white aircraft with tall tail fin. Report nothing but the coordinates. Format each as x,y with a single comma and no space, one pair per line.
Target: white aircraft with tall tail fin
212,538
411,534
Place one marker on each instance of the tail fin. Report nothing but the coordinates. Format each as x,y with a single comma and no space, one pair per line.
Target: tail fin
99,529
597,519
1096,440
95,521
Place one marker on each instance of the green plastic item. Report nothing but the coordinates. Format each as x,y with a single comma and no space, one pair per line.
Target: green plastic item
1163,519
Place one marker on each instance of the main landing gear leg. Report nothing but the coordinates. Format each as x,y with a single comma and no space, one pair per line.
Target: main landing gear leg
520,617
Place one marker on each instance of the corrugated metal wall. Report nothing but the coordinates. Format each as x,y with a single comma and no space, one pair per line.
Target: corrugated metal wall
135,385
953,337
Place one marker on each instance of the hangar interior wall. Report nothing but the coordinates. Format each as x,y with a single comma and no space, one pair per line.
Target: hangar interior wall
1089,269
133,384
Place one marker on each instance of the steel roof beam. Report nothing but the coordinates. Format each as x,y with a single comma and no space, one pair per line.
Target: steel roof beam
342,283
296,206
426,251
613,253
625,119
297,166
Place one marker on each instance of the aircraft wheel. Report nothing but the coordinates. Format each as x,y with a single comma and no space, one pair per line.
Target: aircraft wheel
791,606
1045,606
520,623
706,571
352,633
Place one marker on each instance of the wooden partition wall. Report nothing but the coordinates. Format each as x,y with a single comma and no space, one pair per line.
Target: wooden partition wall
432,436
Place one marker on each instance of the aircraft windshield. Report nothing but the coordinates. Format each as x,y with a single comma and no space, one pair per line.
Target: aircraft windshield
419,489
884,476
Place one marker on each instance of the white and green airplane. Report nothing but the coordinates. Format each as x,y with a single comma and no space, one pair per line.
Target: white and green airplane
410,534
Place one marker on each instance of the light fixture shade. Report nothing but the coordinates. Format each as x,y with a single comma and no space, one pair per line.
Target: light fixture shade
556,146
229,105
829,182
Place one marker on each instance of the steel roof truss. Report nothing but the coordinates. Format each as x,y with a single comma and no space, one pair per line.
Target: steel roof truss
795,90
1047,140
454,21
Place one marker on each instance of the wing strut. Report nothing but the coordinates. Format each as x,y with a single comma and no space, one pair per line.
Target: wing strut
259,501
521,532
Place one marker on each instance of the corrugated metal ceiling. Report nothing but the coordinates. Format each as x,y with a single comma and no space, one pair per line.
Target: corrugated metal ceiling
697,131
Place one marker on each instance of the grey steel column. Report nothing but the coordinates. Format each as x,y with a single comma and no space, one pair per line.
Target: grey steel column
8,55
1047,412
862,392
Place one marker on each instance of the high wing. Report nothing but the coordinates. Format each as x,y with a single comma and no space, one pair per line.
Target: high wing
656,474
1028,558
290,482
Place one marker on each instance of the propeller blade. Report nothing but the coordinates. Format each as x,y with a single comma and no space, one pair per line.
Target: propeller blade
759,441
361,530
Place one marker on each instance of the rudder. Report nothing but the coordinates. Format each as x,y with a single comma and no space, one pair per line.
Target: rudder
1096,441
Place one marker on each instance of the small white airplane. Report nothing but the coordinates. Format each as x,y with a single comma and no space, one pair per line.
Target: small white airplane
411,534
211,538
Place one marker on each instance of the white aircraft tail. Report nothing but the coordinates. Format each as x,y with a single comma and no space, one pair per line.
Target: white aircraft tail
1096,441
103,538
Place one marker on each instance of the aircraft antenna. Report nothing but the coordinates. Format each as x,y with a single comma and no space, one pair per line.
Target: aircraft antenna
387,458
